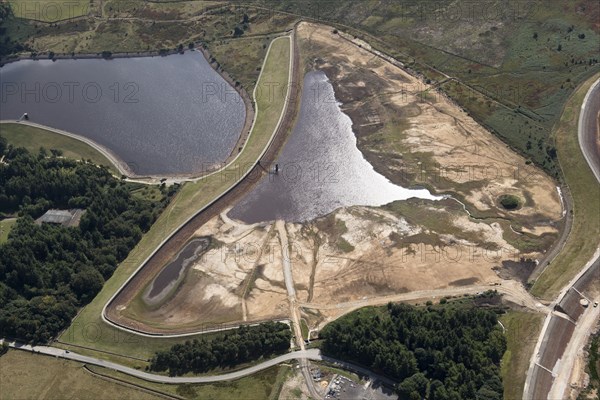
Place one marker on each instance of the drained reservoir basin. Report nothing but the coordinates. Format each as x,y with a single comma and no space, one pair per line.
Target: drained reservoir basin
161,116
320,168
172,274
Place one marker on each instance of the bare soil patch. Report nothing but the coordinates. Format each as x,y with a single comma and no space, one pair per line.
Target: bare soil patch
413,136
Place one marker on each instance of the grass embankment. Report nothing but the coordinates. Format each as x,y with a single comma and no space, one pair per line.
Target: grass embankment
583,239
51,10
239,57
32,376
33,138
88,329
304,329
522,331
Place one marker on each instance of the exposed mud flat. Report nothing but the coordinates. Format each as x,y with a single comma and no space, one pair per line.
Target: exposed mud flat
519,270
412,134
366,252
172,274
237,279
351,253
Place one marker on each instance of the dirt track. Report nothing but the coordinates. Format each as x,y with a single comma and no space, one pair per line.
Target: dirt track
169,249
511,290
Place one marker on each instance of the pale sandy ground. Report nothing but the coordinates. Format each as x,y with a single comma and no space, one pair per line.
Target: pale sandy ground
214,290
376,266
241,278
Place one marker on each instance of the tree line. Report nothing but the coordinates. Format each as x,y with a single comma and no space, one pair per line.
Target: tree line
9,45
435,353
244,344
47,272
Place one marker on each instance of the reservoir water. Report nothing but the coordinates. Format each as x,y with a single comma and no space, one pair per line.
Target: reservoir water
320,167
171,115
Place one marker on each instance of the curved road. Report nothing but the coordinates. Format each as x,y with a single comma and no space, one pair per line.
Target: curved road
550,366
589,131
312,354
279,126
114,160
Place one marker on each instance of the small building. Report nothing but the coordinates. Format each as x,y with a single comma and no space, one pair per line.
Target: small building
68,218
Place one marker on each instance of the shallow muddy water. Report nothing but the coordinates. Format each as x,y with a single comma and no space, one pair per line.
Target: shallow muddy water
320,167
169,115
175,270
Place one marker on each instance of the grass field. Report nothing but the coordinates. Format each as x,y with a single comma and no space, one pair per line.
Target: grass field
51,10
33,138
31,376
62,379
87,328
261,385
583,239
5,227
522,331
325,367
240,57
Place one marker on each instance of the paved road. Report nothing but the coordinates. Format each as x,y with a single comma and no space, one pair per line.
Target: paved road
549,357
115,161
572,351
588,130
546,376
312,354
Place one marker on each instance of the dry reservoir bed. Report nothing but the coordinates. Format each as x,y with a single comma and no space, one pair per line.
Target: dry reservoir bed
412,135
